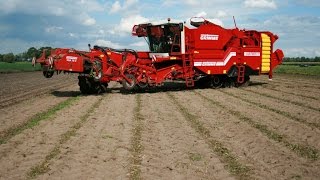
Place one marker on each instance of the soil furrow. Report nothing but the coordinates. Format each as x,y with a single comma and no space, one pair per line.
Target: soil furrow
296,80
292,100
304,116
17,83
171,149
35,120
302,150
232,164
39,91
274,89
101,148
311,88
136,147
44,166
266,158
293,131
31,146
275,83
298,77
18,114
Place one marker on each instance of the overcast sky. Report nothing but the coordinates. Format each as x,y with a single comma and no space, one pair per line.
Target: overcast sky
75,23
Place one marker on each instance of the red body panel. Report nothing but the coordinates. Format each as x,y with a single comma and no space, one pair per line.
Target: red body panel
70,62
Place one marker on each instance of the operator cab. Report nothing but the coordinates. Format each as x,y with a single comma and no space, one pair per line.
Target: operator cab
161,38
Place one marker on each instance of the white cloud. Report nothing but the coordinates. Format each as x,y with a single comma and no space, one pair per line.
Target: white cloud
89,21
216,21
117,7
139,44
204,15
191,2
221,14
53,29
73,9
126,23
101,42
184,2
201,14
129,3
260,4
73,35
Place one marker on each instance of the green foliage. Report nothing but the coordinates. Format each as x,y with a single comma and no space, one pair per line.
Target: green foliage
295,69
301,59
32,52
18,67
25,56
9,58
40,51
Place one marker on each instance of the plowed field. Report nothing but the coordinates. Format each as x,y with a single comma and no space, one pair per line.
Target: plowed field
268,130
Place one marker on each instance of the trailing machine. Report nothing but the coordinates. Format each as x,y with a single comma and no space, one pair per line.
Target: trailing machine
203,54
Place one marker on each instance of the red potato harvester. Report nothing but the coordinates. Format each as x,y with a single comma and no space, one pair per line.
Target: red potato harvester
205,55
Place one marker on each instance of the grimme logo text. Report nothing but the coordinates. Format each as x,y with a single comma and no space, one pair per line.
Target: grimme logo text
209,37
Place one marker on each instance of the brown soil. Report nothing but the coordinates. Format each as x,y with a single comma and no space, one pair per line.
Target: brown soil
172,148
162,135
266,158
289,85
17,87
30,147
22,112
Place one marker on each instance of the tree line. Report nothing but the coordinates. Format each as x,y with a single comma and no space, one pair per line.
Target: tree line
301,59
25,56
34,52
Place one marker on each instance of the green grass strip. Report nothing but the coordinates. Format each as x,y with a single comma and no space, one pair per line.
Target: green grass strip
44,166
136,146
232,164
36,119
284,113
278,98
18,67
302,150
292,69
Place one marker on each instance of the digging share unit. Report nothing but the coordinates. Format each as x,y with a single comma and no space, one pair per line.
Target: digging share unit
204,55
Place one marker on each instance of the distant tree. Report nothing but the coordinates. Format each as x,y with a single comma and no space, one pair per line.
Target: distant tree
10,58
40,51
23,56
32,52
317,59
1,57
20,57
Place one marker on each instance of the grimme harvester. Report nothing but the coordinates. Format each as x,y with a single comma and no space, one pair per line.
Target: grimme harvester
206,55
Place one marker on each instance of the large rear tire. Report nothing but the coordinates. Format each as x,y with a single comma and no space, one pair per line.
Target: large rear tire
89,86
85,85
216,82
132,85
